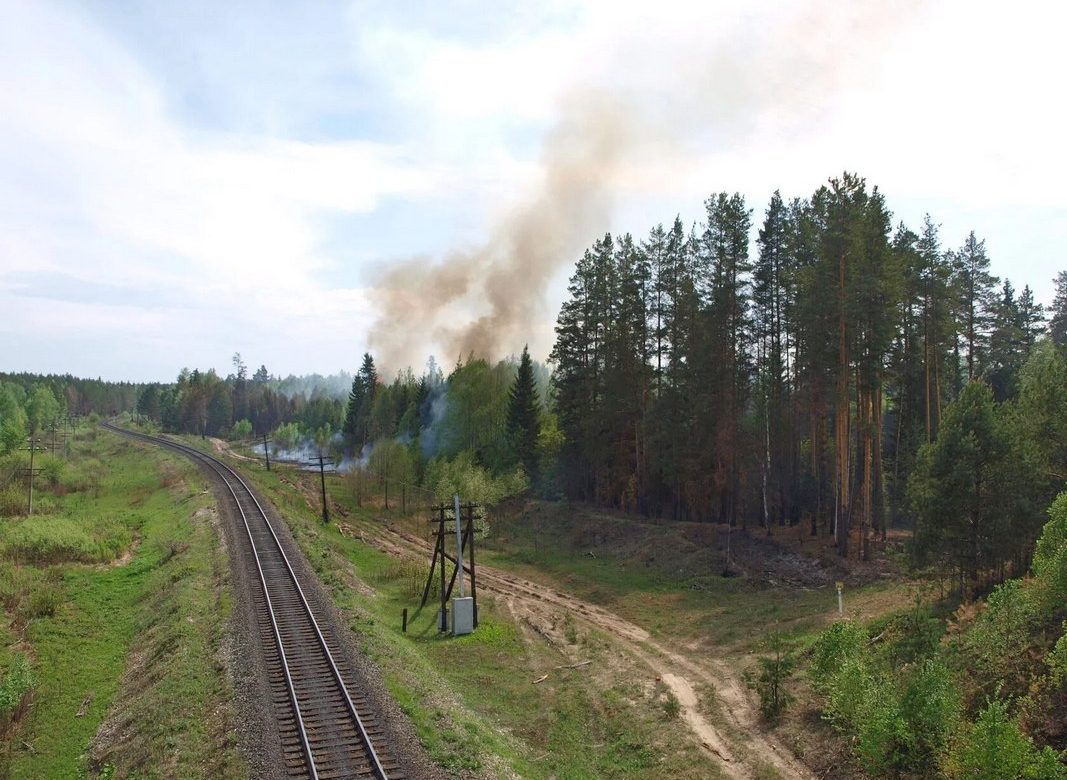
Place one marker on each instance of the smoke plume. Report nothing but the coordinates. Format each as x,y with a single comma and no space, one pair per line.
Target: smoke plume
668,102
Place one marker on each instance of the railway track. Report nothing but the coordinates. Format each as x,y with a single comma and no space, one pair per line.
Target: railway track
327,732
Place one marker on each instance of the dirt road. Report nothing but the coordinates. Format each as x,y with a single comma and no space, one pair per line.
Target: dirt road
739,744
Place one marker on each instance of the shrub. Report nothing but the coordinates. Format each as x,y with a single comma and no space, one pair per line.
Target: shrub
774,672
1050,555
994,748
882,737
15,686
848,691
52,470
843,640
242,429
999,637
44,600
930,706
12,501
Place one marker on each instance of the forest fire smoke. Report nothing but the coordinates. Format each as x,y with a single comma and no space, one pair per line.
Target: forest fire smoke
693,92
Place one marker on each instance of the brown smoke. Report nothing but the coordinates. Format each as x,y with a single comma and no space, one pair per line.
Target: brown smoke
695,102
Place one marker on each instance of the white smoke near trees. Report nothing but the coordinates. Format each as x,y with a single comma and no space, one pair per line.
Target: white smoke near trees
665,102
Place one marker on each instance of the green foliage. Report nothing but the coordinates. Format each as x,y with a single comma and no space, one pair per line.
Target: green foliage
44,539
42,408
16,684
52,469
843,640
524,412
999,636
1039,416
1057,659
473,482
996,644
242,429
965,488
900,720
13,422
994,748
882,735
1050,554
849,690
774,672
930,707
286,436
475,417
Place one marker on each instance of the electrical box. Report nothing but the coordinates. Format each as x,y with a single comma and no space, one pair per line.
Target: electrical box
462,616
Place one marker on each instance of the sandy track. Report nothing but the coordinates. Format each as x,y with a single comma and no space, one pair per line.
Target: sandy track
683,674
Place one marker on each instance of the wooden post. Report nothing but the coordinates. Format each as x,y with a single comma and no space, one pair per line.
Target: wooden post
33,449
266,451
474,582
404,628
441,543
322,476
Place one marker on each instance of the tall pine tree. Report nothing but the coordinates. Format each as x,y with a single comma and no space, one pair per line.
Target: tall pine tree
524,416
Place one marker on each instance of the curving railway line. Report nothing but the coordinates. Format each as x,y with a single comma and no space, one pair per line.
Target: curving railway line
327,732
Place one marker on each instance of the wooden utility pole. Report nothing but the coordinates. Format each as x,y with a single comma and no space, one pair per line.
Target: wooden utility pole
33,445
321,459
266,450
464,520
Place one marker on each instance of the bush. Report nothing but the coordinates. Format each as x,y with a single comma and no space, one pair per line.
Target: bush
474,483
882,737
843,640
44,600
45,539
1050,555
242,429
14,688
848,691
997,641
12,501
774,672
930,706
52,470
994,748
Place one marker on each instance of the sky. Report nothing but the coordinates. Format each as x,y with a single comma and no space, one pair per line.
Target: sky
183,181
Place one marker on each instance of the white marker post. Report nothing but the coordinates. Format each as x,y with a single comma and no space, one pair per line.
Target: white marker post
840,599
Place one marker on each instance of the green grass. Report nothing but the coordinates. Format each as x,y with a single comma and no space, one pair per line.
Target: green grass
132,645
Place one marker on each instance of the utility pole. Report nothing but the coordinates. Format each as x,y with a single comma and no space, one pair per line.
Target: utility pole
266,451
322,476
32,445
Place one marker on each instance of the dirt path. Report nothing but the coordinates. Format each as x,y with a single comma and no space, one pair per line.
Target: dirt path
224,448
739,750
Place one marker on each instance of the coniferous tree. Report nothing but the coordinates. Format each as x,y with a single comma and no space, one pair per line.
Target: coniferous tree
1057,326
1007,344
1031,319
974,287
958,489
724,291
524,416
361,403
772,296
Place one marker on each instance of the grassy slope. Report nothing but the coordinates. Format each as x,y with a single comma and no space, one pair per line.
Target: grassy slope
674,602
163,610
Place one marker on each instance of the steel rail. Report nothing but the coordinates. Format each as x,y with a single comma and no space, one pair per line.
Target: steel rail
222,469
